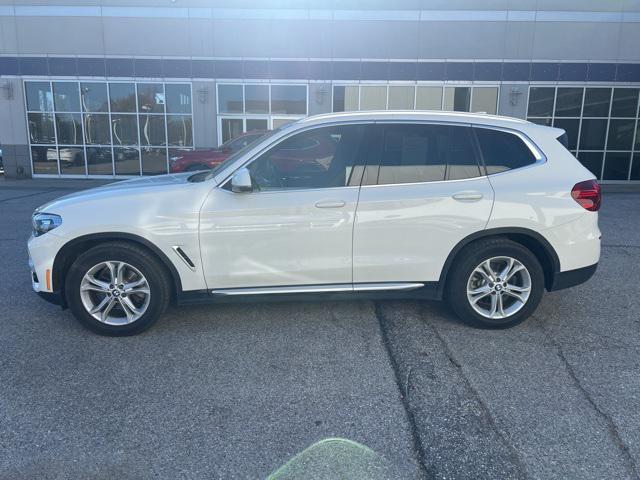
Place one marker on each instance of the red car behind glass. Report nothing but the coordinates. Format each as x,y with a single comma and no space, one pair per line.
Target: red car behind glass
204,159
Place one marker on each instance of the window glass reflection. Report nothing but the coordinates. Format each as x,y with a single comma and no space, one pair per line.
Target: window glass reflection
151,98
178,98
179,130
41,128
616,166
39,97
592,134
127,160
154,161
45,160
541,101
152,130
124,129
66,96
96,129
94,97
485,99
230,99
373,98
122,97
568,102
99,161
289,99
69,128
625,102
71,160
401,98
256,98
596,102
593,162
429,98
620,134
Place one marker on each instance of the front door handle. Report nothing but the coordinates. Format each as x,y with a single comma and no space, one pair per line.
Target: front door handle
330,204
468,196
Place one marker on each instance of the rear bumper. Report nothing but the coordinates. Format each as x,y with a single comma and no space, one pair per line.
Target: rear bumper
571,278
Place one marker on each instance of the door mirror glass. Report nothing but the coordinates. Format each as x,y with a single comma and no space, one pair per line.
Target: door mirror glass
241,181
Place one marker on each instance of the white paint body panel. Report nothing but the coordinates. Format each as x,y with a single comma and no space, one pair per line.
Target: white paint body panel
405,232
396,233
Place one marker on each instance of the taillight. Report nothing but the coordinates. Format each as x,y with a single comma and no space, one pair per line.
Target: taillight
587,194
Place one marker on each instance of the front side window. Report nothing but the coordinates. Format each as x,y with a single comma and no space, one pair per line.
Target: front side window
319,158
415,153
502,151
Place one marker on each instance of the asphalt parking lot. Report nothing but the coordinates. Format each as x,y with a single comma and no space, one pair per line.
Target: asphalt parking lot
236,391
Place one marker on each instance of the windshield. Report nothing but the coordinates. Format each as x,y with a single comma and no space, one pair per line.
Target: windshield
204,176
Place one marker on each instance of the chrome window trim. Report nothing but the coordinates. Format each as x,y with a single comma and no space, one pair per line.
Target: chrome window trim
326,288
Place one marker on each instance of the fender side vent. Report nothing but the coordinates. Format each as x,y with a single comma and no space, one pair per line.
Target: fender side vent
185,258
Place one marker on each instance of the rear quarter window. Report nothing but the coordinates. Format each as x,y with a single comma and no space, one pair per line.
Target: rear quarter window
502,151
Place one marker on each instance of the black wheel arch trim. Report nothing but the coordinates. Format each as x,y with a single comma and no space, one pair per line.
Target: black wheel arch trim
61,259
549,251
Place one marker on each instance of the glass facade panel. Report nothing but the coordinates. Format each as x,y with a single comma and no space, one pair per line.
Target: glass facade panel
256,98
373,98
122,97
593,134
635,167
616,166
99,161
179,130
279,122
568,102
151,98
41,129
45,160
69,128
597,102
94,97
457,99
96,129
126,160
429,98
71,160
289,99
178,97
152,130
39,98
620,134
345,98
485,99
87,118
231,128
541,101
541,121
154,161
257,124
230,99
625,102
401,98
66,96
124,129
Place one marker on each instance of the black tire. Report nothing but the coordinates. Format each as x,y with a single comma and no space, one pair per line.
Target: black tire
472,256
137,257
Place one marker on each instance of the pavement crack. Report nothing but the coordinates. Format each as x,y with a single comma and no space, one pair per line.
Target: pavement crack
424,472
486,413
630,463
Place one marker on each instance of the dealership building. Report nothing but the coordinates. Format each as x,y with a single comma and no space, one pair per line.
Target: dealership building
116,88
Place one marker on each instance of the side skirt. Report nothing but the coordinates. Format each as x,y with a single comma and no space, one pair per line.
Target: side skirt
299,293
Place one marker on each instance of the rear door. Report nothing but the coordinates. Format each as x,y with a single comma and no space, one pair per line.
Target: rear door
423,191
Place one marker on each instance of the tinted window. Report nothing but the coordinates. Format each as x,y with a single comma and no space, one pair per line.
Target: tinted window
425,153
502,150
318,158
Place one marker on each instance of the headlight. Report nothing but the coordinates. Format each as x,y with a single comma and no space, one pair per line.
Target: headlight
44,222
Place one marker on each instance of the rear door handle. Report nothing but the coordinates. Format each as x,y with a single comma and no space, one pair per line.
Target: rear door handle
330,204
468,196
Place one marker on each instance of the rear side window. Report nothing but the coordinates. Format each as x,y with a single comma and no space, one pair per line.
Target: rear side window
414,153
502,151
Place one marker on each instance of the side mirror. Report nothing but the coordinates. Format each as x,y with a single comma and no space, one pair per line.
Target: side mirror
241,181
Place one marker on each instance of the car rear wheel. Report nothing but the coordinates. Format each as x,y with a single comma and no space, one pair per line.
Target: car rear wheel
117,289
495,283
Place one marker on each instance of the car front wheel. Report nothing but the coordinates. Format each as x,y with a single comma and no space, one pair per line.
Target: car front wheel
495,283
117,289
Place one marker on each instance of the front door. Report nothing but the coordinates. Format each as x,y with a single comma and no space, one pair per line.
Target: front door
295,228
423,194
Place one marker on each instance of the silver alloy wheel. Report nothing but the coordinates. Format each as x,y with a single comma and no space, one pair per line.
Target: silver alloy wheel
115,293
499,287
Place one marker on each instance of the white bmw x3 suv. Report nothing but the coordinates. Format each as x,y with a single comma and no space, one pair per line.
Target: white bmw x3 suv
486,212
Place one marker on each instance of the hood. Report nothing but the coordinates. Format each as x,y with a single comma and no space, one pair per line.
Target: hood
121,187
